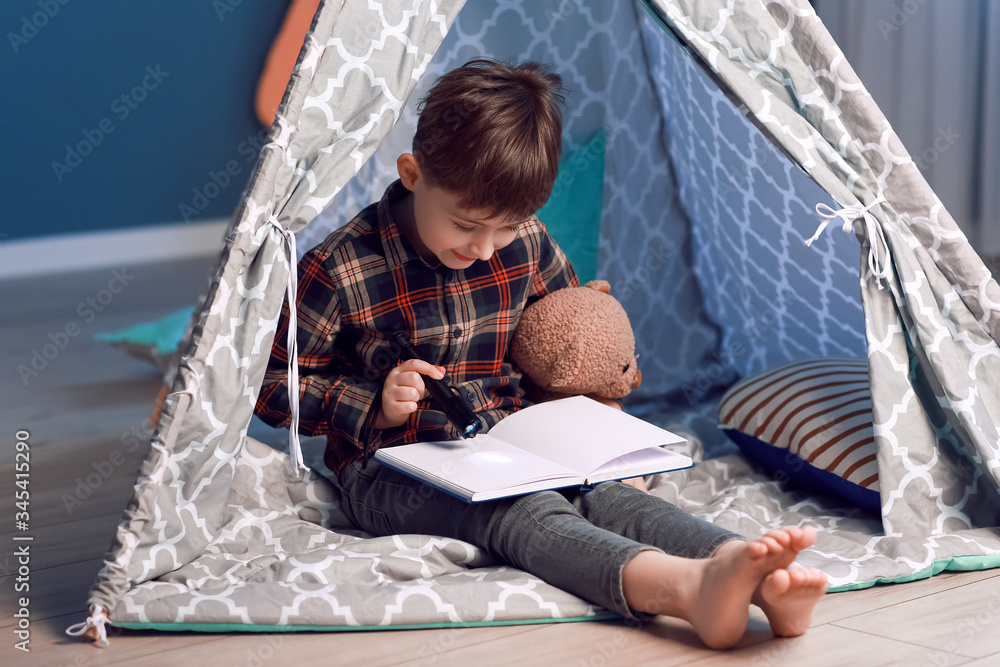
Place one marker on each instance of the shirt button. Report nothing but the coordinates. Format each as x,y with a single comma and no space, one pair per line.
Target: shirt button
457,333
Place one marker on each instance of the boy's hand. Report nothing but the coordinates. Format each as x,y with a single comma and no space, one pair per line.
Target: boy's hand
404,386
637,482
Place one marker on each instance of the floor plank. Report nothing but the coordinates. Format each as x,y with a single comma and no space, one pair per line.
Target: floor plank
831,645
662,642
54,591
396,647
837,606
989,661
51,646
963,620
65,543
95,480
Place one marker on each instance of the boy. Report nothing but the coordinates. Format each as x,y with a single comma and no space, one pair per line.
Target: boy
451,256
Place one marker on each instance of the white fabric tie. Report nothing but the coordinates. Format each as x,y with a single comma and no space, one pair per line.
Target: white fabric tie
292,287
873,232
97,619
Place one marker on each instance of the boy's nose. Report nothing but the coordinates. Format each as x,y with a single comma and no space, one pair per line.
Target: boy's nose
482,250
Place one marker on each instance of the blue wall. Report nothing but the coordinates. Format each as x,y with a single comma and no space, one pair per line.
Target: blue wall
115,112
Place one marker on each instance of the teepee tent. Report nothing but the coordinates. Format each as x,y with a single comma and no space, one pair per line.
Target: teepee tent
714,147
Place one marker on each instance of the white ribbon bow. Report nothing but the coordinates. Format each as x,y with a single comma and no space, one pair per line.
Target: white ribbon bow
873,232
97,619
291,288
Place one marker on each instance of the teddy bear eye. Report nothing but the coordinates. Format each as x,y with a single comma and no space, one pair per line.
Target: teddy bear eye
625,370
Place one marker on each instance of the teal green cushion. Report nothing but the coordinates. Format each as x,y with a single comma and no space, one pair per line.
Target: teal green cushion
160,336
573,212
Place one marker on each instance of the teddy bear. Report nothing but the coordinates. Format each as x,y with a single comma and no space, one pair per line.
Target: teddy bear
577,340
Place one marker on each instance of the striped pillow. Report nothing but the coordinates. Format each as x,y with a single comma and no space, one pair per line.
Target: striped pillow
812,421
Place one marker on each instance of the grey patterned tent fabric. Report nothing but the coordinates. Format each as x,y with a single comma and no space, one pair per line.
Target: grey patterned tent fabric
933,320
222,532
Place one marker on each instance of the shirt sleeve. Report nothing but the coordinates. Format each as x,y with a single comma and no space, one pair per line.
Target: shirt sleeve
329,402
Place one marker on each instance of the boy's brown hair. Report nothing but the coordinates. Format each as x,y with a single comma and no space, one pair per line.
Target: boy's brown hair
491,133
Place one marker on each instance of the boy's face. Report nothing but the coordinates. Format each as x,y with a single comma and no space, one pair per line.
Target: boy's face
458,237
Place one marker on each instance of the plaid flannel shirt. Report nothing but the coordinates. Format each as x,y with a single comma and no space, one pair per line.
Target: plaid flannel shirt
365,282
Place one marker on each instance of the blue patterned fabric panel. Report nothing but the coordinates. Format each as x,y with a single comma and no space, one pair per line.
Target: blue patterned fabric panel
776,299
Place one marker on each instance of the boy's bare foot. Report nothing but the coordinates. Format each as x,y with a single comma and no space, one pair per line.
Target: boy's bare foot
733,575
714,594
788,596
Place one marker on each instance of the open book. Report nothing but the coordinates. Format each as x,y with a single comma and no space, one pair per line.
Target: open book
573,441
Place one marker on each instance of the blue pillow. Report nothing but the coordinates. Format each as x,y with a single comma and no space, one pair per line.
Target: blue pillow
811,421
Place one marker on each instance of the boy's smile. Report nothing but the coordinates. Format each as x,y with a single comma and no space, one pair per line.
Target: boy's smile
456,236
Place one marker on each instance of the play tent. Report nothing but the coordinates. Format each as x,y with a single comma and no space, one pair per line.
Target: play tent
716,126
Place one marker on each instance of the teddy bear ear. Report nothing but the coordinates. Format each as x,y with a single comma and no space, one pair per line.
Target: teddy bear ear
566,366
599,285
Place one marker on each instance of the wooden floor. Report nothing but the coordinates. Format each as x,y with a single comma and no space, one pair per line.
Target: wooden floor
85,412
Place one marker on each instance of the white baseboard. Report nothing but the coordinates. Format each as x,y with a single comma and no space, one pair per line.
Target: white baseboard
95,250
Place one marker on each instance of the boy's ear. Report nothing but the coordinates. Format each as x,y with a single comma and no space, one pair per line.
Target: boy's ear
409,170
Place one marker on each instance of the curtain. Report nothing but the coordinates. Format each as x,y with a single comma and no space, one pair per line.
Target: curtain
933,67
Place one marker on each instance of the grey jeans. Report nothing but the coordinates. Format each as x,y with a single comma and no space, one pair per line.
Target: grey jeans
576,541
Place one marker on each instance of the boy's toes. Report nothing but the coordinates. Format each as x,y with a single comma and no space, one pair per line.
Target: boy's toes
767,545
812,578
788,598
794,583
803,537
777,541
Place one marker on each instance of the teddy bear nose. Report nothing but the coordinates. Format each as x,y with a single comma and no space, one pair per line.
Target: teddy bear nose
638,379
